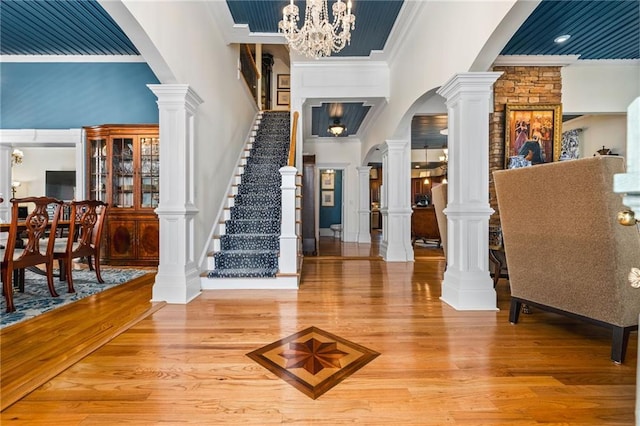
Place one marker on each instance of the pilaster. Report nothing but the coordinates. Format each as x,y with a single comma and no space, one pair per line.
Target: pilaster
396,210
178,279
364,206
467,284
288,261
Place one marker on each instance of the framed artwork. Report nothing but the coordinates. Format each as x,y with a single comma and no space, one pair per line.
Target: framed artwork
373,173
327,180
327,199
284,97
284,81
533,132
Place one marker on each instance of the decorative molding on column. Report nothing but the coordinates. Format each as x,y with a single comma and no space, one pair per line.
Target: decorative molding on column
396,214
288,260
467,284
364,205
178,278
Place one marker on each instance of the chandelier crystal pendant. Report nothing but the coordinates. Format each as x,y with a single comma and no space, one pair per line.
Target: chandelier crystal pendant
318,37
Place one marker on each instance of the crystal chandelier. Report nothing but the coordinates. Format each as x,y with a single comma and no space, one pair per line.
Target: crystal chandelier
318,37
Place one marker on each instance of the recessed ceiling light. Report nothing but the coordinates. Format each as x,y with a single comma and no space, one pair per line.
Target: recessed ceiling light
562,38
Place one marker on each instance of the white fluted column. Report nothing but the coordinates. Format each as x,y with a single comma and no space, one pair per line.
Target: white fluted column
288,261
467,284
364,206
396,212
178,278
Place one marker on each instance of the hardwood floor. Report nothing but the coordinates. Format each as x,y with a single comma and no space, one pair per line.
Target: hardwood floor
188,364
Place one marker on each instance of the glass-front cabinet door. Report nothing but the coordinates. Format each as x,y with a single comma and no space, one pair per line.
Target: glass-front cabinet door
122,166
149,172
98,169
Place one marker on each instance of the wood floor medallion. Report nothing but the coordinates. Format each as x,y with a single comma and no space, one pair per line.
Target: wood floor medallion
313,360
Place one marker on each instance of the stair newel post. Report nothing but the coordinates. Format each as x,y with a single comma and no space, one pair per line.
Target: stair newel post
288,237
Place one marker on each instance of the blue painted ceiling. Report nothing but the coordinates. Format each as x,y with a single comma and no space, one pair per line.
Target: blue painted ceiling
80,27
374,20
599,30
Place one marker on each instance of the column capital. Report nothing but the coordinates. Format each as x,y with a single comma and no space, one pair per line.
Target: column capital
469,82
181,94
396,144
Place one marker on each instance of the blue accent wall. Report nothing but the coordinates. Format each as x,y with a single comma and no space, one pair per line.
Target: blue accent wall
73,95
331,215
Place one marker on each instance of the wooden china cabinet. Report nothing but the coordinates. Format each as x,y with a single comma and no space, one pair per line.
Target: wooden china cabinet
123,170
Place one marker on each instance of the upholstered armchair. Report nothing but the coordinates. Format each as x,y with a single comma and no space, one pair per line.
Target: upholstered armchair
565,249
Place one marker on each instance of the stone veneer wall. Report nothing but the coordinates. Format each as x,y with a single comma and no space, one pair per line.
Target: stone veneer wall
517,85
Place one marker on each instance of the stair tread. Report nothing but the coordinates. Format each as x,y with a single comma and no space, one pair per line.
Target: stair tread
244,272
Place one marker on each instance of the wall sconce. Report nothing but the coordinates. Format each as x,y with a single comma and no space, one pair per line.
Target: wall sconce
16,157
14,187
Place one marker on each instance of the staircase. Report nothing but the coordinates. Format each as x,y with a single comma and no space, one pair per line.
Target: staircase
246,247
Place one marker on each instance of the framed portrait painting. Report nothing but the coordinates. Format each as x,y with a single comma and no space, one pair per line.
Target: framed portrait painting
533,132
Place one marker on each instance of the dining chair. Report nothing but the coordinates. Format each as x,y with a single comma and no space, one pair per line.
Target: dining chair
39,229
86,220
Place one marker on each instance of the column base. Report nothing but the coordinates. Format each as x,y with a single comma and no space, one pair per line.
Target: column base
176,286
469,291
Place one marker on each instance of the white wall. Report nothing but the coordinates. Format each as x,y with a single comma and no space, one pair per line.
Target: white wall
445,39
595,87
279,67
182,30
31,173
341,155
609,130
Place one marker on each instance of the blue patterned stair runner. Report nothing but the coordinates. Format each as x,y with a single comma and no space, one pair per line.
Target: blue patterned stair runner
249,247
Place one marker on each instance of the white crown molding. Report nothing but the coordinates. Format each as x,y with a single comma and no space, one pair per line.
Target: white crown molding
71,58
239,33
536,60
40,137
607,62
404,21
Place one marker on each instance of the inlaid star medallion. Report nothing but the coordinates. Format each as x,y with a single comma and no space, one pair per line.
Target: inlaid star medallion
312,360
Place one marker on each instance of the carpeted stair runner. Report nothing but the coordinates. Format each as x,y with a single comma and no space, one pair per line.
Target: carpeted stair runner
249,247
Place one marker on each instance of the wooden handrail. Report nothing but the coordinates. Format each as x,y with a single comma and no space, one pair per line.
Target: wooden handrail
253,61
292,145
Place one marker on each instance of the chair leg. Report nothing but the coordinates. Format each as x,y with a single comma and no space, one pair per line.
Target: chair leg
89,263
619,343
63,270
21,274
514,311
69,275
97,262
7,285
52,289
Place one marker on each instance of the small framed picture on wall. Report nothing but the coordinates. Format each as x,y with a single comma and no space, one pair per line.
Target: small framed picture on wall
327,199
327,181
284,97
283,81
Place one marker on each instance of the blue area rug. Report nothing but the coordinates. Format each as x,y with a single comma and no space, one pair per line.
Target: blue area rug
36,299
